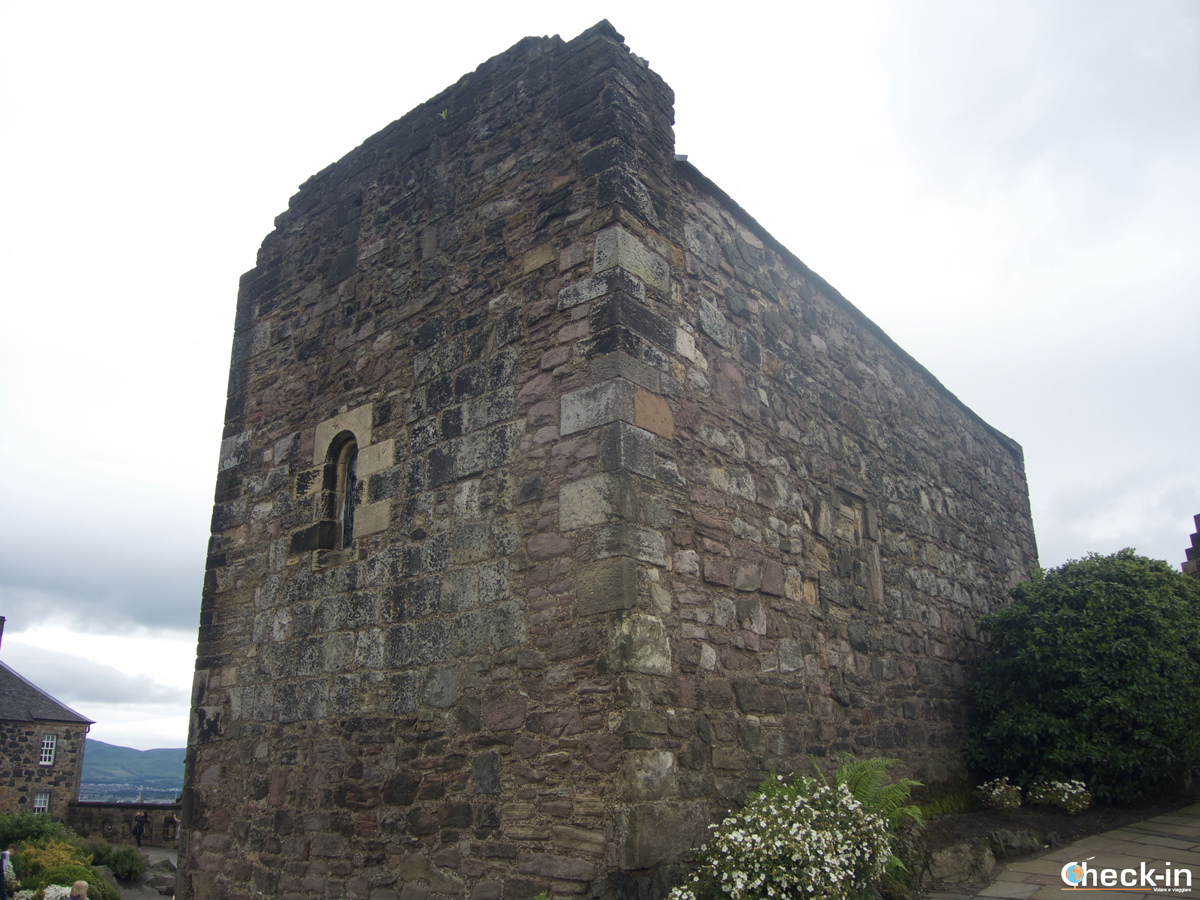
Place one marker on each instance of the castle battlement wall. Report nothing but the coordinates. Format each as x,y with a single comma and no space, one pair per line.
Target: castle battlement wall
557,502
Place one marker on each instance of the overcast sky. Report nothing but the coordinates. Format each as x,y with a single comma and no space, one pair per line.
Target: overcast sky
1010,189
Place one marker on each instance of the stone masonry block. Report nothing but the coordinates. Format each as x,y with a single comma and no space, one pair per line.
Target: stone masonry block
653,414
538,257
357,421
622,309
235,449
605,586
594,500
641,644
617,248
599,404
627,447
598,285
376,458
713,323
648,775
658,832
372,517
627,539
621,365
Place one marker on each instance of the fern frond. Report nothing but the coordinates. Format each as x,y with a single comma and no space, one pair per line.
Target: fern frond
866,780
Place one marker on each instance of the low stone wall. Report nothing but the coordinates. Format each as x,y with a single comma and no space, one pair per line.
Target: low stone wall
114,822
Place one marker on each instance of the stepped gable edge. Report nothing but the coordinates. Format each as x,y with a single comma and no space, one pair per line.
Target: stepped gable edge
556,503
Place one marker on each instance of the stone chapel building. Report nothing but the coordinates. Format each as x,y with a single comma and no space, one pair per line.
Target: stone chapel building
41,747
557,502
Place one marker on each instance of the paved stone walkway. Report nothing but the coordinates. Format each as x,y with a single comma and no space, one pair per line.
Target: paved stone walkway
1145,846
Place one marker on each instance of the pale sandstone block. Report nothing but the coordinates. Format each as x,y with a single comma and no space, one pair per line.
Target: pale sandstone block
617,248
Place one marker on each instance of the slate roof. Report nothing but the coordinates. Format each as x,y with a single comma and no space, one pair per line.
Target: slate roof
22,701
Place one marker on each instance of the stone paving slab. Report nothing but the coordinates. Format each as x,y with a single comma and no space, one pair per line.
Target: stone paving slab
1158,841
1010,890
1172,837
1040,866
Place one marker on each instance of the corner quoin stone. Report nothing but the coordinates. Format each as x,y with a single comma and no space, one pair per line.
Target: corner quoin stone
616,247
611,401
608,585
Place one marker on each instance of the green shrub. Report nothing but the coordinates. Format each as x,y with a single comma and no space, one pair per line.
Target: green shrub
1000,793
21,827
66,875
46,854
1069,796
126,863
867,781
796,838
806,837
1092,674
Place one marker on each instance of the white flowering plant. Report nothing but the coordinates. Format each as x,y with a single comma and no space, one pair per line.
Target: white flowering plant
1000,793
798,838
1070,796
51,892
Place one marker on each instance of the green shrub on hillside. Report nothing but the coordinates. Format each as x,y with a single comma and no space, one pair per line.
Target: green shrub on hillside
1092,674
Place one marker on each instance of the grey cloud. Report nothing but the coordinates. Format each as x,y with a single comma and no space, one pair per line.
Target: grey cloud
79,682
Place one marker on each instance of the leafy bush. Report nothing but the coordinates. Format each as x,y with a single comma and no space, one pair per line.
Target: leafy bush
999,793
1069,796
20,827
867,781
125,862
805,837
48,854
1092,674
68,874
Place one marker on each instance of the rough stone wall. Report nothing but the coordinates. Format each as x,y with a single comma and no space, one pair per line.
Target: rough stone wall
644,507
114,822
22,777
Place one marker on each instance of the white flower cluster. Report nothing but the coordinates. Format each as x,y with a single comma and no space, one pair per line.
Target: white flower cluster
53,892
1071,796
797,840
1000,793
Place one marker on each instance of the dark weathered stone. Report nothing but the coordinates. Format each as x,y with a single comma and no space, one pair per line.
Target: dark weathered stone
606,586
644,507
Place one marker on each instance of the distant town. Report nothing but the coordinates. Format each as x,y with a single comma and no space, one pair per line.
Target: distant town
114,774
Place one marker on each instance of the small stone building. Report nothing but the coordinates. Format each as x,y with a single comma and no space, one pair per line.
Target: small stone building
1191,565
41,748
557,502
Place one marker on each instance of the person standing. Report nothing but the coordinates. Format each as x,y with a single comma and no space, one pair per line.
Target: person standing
139,827
5,870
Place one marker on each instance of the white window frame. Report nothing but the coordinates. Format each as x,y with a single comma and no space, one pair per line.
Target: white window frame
41,802
49,746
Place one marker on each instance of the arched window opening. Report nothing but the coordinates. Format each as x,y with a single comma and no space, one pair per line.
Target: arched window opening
347,491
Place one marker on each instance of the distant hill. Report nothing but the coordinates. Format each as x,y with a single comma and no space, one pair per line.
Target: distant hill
121,773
